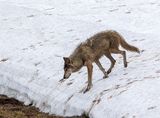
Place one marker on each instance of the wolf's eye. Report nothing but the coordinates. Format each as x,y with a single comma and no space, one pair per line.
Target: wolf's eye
67,66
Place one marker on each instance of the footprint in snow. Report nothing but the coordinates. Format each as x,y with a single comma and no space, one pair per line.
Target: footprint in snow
3,60
70,83
128,12
32,46
99,21
112,10
151,108
125,73
38,63
152,3
142,39
110,97
56,55
70,30
47,14
50,8
40,43
125,116
134,40
122,5
158,71
31,16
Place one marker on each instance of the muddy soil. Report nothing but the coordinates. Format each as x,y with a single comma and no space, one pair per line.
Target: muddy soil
11,108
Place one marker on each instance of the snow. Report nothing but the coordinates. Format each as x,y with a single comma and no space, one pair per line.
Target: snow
36,34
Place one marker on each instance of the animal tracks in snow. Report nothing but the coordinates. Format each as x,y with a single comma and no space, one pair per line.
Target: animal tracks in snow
4,60
151,108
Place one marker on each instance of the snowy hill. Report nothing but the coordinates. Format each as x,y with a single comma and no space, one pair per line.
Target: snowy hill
36,34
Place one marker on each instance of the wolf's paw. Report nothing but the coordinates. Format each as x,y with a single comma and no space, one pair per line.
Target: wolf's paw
125,65
108,71
87,89
105,76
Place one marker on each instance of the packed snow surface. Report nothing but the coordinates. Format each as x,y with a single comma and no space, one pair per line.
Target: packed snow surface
35,35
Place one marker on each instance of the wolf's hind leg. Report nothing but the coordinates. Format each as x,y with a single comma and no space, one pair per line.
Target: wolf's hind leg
101,68
123,53
113,61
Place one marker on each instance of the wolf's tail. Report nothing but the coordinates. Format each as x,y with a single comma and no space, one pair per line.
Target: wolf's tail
127,46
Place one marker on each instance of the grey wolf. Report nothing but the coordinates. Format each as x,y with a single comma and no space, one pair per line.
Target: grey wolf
100,44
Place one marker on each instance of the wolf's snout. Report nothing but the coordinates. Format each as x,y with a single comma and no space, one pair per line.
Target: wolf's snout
64,77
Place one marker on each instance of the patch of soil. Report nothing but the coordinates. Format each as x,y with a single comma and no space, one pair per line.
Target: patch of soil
12,108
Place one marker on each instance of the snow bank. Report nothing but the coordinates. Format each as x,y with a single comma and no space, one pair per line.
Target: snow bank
36,34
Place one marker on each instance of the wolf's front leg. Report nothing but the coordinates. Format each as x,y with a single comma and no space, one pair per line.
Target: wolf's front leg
90,70
101,68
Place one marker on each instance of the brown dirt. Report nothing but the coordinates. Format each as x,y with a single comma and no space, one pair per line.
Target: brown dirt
11,108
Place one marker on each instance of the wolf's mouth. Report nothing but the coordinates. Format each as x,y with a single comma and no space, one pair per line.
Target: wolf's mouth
66,77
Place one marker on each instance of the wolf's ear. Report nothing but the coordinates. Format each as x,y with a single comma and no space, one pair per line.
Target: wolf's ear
66,59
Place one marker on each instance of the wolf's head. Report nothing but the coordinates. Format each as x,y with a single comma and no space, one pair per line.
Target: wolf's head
68,67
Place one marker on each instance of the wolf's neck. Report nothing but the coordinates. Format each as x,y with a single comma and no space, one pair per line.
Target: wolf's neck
77,62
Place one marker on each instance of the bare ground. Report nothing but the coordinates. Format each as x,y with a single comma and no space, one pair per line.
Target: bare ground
11,108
